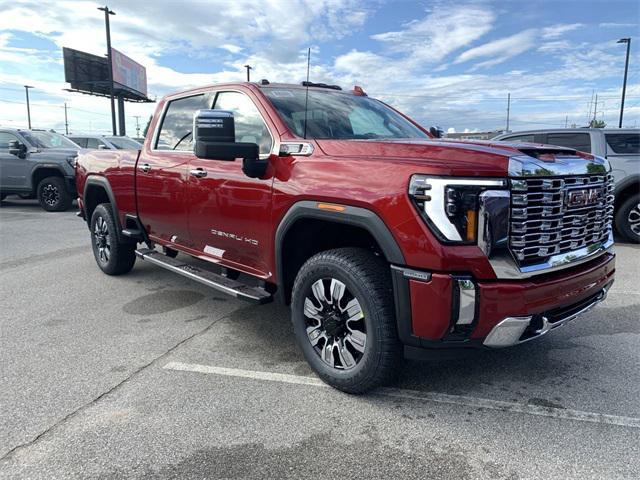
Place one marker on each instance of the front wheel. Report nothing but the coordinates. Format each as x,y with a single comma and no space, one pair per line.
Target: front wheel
628,219
53,195
343,319
112,256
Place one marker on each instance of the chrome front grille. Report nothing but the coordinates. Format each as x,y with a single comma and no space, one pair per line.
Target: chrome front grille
551,216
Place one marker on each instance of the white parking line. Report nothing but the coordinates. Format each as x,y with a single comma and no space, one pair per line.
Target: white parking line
513,407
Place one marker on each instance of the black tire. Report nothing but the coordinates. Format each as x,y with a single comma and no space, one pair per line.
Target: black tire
366,279
52,195
113,257
628,219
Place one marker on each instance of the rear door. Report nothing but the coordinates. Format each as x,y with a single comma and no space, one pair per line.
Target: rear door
162,171
229,213
623,152
14,171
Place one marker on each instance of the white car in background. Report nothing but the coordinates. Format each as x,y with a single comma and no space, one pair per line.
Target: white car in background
107,142
621,146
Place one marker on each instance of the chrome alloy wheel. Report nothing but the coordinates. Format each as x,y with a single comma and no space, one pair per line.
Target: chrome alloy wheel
335,324
634,219
102,239
50,195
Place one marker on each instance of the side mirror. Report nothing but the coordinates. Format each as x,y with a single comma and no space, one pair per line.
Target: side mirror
18,149
214,135
436,131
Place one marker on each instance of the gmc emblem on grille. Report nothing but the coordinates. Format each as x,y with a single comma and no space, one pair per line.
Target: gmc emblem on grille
582,197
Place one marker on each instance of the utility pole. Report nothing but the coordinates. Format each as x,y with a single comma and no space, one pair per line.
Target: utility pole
26,90
595,109
137,117
508,109
566,120
248,67
66,122
624,83
108,12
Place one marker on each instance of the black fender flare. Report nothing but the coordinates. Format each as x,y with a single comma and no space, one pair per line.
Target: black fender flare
102,182
355,216
626,182
47,166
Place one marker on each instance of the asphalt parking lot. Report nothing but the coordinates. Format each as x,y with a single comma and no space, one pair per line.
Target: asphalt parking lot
150,375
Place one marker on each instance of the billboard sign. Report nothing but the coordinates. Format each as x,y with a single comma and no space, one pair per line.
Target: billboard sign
128,73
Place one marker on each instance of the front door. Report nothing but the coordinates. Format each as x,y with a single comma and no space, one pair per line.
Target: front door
14,171
229,213
162,172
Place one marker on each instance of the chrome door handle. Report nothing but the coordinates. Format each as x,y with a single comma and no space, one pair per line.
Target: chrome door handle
145,167
198,172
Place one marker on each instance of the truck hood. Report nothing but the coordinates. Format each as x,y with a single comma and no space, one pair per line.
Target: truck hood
481,157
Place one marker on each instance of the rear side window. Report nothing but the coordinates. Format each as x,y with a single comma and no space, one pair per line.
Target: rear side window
93,143
80,141
5,139
519,138
577,141
625,143
175,131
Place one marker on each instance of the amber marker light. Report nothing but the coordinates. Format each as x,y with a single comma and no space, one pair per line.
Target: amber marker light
471,225
332,207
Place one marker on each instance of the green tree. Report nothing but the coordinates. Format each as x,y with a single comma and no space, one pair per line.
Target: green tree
597,124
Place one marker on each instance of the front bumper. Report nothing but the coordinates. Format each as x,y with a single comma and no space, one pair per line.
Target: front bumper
441,310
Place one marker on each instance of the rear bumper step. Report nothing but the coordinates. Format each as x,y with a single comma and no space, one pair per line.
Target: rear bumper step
218,282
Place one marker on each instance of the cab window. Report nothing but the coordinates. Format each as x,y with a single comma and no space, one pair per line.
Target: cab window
520,138
577,141
175,131
80,141
623,143
249,125
5,139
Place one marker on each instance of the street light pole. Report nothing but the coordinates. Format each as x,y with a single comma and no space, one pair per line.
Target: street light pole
66,122
626,70
108,12
26,90
248,67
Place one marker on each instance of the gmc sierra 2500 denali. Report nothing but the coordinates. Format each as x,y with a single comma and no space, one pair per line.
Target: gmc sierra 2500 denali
384,240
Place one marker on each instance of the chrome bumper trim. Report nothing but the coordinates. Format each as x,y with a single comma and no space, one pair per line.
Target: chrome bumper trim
509,331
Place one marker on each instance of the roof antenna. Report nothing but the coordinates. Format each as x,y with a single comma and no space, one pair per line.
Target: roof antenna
306,96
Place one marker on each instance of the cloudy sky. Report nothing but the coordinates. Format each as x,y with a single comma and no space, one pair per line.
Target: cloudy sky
443,62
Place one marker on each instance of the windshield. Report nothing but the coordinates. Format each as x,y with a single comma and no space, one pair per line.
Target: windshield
124,143
336,115
42,139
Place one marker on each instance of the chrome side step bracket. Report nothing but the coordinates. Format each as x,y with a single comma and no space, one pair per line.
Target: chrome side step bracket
217,282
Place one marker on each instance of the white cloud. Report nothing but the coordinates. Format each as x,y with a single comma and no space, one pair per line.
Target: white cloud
502,49
556,31
442,31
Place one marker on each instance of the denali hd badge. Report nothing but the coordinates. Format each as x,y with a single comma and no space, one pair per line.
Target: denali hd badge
582,198
233,236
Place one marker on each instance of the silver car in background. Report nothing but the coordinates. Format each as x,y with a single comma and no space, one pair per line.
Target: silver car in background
108,142
621,146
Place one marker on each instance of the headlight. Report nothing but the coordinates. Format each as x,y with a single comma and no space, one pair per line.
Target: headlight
449,205
71,160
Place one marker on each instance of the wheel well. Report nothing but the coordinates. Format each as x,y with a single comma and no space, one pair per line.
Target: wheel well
626,192
42,173
94,196
306,237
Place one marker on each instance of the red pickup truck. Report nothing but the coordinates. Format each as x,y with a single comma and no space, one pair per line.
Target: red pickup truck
383,239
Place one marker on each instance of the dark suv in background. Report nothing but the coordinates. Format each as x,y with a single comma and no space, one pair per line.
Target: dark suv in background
621,146
38,163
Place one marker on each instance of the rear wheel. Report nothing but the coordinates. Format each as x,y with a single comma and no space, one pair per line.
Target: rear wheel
112,256
52,195
628,219
343,319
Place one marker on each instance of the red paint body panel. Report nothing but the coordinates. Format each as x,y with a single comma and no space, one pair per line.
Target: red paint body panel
187,213
431,306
